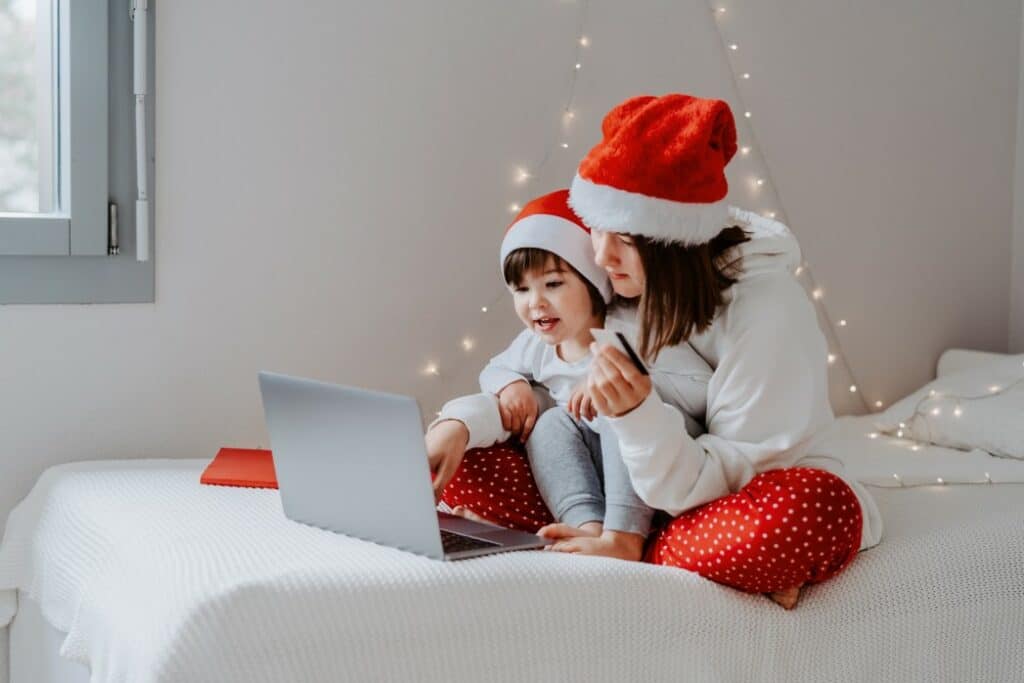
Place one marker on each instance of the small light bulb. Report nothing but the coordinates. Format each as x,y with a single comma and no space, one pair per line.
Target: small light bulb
578,66
483,309
468,344
747,114
565,145
584,41
744,151
842,323
570,115
988,478
936,411
721,10
915,447
878,404
903,425
431,369
817,294
799,269
873,435
940,480
994,388
734,46
522,175
831,358
853,388
899,434
932,393
514,208
771,214
746,76
760,182
958,411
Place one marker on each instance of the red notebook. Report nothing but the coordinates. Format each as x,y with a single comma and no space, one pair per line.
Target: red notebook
241,467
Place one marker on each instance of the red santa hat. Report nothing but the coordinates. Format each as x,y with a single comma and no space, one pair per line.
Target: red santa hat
548,223
659,170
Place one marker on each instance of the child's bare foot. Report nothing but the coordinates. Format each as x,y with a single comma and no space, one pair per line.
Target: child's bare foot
787,598
618,544
463,511
559,531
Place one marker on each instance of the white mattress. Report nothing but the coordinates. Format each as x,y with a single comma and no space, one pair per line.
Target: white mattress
156,578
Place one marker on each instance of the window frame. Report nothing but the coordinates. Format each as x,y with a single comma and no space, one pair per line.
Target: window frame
62,258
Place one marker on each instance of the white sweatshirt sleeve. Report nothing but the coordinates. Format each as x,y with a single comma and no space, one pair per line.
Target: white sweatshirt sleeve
766,400
479,412
516,363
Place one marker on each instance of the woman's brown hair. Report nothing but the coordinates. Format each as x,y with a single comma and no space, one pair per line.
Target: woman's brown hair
684,286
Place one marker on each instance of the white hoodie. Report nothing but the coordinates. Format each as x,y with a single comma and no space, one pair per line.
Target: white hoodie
767,397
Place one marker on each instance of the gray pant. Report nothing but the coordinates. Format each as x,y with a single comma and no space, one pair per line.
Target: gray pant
582,477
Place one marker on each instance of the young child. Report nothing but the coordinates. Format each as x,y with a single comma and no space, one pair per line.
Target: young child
559,294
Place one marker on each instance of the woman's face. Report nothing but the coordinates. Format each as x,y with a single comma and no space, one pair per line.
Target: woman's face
618,255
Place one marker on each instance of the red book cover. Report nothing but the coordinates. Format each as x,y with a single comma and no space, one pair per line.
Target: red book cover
241,467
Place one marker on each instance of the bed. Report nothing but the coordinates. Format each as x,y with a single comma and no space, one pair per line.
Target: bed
131,571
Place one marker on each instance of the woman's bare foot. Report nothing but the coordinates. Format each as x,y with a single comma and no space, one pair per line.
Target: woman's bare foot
617,544
787,598
560,531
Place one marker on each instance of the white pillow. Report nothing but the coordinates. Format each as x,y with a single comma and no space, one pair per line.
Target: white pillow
979,408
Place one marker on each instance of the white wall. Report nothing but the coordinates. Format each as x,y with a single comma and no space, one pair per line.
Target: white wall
332,184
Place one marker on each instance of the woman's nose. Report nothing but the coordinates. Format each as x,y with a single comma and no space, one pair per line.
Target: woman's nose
603,255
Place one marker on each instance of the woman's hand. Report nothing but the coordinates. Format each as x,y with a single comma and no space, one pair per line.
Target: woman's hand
580,403
446,445
518,408
614,384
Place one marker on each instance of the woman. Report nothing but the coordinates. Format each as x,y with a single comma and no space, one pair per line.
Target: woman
752,507
721,280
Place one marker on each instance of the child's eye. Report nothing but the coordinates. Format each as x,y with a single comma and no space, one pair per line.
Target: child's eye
554,283
519,290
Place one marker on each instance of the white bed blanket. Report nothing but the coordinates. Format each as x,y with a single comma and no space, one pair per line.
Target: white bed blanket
157,578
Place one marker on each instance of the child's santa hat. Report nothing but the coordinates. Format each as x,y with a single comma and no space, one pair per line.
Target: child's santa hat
548,223
660,169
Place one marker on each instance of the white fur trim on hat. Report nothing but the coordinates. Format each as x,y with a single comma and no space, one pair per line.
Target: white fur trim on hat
603,207
561,237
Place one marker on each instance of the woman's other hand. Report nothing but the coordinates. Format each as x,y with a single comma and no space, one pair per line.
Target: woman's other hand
580,403
446,445
614,384
518,408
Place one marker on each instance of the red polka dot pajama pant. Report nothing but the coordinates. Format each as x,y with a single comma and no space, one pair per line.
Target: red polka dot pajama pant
783,529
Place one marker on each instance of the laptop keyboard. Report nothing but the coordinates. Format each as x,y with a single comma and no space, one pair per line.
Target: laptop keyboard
455,543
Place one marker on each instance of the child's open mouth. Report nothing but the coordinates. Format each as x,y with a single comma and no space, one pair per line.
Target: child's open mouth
546,324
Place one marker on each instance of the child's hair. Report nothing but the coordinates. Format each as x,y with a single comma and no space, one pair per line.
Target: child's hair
529,260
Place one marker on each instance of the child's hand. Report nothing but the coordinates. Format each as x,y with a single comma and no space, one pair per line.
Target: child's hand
518,407
580,403
446,445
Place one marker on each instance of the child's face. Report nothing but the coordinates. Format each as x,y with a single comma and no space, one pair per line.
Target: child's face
553,303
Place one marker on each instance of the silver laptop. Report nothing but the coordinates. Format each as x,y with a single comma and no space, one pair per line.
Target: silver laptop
354,461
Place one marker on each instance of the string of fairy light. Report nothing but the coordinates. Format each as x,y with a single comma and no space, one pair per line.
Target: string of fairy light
758,183
523,177
932,404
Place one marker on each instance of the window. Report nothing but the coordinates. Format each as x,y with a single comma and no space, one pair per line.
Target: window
68,152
